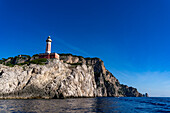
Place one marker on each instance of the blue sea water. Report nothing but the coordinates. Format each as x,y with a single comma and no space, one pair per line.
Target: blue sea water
80,105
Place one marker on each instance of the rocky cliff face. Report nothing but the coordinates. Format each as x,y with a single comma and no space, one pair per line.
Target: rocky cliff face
106,83
71,76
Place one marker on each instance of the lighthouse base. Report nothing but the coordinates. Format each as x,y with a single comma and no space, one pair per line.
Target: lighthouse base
49,55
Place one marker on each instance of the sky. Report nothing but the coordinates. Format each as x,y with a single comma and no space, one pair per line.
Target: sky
132,37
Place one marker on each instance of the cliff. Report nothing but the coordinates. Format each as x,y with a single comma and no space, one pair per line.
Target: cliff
71,76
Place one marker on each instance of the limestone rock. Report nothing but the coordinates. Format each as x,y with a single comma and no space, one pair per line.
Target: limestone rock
73,77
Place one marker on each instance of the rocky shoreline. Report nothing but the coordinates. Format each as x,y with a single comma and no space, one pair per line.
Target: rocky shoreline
70,77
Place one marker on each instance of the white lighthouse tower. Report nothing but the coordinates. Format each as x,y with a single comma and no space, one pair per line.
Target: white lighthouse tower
48,46
48,53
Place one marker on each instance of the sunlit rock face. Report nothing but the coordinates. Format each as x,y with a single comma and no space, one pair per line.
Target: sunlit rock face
71,76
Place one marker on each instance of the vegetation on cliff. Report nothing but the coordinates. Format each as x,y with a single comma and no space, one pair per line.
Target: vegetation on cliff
22,60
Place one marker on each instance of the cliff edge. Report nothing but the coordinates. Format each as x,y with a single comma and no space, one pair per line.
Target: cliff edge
71,76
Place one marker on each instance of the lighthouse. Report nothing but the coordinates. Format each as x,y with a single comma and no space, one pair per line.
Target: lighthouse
48,46
48,53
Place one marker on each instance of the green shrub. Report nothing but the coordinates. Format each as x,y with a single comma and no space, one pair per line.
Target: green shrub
40,61
20,64
1,61
10,57
9,64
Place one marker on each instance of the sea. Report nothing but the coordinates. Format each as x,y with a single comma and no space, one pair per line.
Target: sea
88,105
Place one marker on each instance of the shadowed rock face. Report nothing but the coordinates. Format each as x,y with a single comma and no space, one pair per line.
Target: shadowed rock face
71,76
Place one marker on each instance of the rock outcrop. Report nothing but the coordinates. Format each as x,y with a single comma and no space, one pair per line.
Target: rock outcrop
71,76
